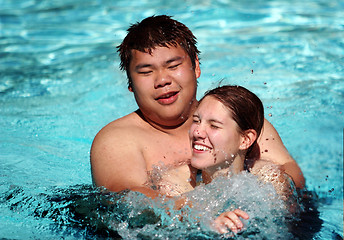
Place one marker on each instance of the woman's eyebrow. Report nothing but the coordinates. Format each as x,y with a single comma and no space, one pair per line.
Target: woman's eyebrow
215,121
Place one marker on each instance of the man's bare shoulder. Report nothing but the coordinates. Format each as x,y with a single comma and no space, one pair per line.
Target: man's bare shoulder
120,128
119,136
116,156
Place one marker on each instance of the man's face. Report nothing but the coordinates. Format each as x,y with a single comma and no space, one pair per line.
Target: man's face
164,84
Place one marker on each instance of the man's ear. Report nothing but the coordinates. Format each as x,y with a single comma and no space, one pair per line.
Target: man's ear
197,68
130,86
247,139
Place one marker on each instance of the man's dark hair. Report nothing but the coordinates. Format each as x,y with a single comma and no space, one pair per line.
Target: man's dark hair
156,31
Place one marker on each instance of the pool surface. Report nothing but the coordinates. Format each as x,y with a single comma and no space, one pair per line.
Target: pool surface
60,83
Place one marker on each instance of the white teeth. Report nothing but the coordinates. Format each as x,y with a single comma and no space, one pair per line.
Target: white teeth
201,147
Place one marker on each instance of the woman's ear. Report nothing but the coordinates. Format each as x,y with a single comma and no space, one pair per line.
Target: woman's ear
247,139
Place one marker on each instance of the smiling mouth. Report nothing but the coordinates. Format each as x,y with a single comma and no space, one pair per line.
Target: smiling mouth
168,98
201,147
167,95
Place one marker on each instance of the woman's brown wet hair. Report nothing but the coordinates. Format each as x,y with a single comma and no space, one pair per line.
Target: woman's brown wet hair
246,108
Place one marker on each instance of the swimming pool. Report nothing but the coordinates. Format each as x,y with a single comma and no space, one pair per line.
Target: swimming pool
60,83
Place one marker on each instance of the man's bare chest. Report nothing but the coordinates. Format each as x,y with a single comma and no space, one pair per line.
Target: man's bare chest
166,155
166,152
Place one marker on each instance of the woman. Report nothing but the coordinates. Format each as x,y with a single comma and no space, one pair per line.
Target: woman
223,136
224,132
225,129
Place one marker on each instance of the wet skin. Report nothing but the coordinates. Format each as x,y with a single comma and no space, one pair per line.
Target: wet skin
216,138
164,84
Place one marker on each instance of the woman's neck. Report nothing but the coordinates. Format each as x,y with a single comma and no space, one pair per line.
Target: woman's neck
234,167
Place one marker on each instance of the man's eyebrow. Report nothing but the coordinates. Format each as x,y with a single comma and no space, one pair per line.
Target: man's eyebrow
139,66
177,58
147,65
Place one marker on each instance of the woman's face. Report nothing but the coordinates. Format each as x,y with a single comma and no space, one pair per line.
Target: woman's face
214,135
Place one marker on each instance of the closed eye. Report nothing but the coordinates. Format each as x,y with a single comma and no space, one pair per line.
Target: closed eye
195,119
144,69
174,66
144,72
214,126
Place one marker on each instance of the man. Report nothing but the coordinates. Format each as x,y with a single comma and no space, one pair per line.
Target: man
160,58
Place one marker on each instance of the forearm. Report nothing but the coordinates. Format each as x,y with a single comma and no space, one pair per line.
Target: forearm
146,191
272,149
294,171
178,202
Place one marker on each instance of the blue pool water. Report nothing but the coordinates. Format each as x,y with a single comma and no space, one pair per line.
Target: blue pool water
60,84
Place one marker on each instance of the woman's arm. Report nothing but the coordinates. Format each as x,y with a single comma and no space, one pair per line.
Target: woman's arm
230,220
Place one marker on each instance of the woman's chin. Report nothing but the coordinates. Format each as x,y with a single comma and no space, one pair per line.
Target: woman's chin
199,164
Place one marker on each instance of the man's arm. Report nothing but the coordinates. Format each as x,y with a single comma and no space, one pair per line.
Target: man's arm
117,163
272,149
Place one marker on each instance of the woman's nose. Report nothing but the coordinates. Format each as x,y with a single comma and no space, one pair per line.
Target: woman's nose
199,131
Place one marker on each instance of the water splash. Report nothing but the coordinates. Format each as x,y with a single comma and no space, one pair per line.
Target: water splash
86,212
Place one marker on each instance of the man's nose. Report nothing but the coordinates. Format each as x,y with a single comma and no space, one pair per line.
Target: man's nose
162,79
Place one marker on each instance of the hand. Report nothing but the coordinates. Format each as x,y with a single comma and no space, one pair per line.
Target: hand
230,220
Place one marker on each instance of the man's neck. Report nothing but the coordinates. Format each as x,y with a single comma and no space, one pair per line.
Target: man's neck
180,125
